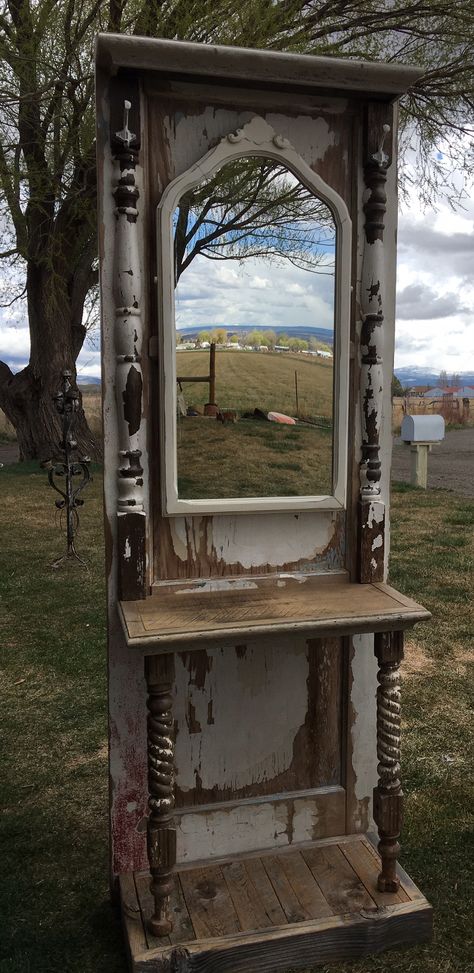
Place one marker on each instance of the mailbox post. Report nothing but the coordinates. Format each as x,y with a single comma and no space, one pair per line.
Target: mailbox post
421,433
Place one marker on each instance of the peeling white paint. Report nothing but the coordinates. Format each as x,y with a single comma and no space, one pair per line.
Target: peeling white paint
363,730
377,542
286,538
132,806
254,825
127,553
220,584
259,703
375,514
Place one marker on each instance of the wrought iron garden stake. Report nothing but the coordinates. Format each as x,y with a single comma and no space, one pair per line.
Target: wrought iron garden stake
67,404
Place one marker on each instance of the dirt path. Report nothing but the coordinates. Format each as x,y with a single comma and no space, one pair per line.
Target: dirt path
450,465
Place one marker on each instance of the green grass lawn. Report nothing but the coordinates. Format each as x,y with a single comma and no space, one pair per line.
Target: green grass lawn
55,909
252,458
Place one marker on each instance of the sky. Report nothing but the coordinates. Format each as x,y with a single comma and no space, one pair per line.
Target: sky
435,296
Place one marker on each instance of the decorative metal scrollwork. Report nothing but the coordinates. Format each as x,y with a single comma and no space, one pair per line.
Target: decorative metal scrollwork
67,402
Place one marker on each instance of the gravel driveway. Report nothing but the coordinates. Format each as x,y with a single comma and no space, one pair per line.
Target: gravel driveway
450,465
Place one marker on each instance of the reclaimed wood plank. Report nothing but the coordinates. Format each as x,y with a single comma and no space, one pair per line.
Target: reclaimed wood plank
337,879
337,607
305,887
247,902
334,939
208,901
367,867
289,901
265,890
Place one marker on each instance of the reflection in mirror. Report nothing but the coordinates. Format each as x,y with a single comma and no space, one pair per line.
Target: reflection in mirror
254,258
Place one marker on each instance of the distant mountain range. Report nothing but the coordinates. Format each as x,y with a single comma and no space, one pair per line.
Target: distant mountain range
418,375
295,331
408,375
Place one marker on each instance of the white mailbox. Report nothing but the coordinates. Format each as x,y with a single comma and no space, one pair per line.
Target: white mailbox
422,429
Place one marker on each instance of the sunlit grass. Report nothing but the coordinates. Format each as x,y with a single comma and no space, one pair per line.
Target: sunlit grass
55,906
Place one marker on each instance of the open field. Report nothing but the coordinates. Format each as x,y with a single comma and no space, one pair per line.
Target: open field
246,380
55,910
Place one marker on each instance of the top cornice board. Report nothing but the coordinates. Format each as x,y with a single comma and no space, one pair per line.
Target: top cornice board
244,66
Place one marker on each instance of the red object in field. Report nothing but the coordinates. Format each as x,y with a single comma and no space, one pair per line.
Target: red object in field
280,417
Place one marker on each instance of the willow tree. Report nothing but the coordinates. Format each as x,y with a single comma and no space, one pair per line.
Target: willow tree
47,157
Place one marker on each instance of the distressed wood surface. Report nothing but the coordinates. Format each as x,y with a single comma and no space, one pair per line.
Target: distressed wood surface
388,795
377,159
269,67
128,336
337,607
161,835
274,911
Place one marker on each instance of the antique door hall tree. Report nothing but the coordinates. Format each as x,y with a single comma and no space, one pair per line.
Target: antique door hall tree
254,643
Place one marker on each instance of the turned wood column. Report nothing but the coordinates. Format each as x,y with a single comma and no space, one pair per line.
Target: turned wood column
388,795
161,837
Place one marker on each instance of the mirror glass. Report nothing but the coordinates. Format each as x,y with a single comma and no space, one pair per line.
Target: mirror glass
254,262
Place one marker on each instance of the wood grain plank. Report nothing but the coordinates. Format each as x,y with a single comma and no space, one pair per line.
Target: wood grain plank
132,916
334,607
289,901
182,925
367,867
265,891
337,879
247,902
306,945
305,887
325,709
208,901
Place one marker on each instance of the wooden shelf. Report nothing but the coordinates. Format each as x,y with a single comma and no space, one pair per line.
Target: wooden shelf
318,606
275,911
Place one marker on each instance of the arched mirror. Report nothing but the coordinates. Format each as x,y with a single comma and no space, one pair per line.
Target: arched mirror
253,339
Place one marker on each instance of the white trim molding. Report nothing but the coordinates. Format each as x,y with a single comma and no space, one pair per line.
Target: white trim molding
257,138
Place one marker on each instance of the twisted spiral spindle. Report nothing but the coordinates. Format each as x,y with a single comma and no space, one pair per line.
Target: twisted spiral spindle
388,795
161,836
388,729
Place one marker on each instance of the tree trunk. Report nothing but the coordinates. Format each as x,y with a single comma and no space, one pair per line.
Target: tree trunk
27,396
28,404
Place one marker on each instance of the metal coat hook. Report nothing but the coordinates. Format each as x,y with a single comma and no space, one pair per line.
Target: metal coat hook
380,156
125,135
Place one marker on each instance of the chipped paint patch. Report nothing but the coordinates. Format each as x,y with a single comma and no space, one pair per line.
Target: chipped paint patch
240,540
375,514
363,729
265,684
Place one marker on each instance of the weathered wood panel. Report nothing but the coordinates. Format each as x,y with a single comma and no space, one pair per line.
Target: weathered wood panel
231,828
277,696
205,546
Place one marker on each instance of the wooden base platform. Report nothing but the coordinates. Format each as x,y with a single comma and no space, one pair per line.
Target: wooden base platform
297,908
